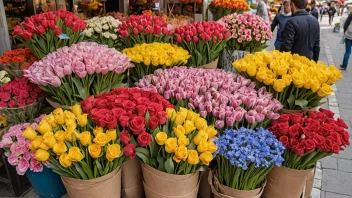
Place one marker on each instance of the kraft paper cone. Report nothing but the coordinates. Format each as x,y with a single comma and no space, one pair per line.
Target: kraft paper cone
107,186
309,184
212,65
204,187
227,192
149,193
169,185
57,105
132,179
285,182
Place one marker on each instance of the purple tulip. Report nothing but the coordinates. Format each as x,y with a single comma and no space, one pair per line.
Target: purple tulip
222,115
216,112
219,124
230,121
203,114
238,116
178,97
259,117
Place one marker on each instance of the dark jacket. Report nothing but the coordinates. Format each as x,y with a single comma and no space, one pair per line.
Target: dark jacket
347,22
302,35
331,11
315,13
280,21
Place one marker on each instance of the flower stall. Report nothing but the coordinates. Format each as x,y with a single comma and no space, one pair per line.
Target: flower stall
137,107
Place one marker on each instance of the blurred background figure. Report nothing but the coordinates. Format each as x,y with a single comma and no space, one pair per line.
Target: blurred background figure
331,12
280,22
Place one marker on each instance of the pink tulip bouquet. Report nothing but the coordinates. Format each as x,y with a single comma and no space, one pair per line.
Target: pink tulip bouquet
17,149
225,99
46,32
143,29
71,74
249,32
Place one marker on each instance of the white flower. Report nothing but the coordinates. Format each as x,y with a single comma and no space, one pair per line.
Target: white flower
5,80
2,74
106,34
105,27
97,29
113,36
88,33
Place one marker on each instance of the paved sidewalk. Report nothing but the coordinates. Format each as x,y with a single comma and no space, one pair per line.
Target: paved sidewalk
336,172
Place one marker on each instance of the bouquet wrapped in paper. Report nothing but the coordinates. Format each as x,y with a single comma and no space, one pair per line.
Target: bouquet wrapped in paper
294,80
71,74
15,61
46,32
102,30
150,57
224,99
203,40
221,8
249,32
20,101
143,29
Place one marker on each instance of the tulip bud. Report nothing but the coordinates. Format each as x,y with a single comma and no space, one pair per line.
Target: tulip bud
188,38
203,114
230,121
135,31
207,37
219,124
57,31
140,28
178,97
40,29
178,39
195,39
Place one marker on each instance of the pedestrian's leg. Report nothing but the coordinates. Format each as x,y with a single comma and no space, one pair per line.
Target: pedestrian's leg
348,46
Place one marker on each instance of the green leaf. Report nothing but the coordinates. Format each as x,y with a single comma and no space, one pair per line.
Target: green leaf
87,169
153,162
182,167
143,157
147,116
169,166
68,88
80,171
161,162
143,151
291,100
80,89
301,102
99,166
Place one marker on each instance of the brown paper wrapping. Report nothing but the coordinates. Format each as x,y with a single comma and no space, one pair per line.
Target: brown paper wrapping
285,182
57,105
309,184
304,110
212,65
204,187
132,179
158,184
107,186
227,192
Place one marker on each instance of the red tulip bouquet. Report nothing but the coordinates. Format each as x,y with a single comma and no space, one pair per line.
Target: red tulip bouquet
203,40
309,138
20,101
143,29
46,32
15,61
71,74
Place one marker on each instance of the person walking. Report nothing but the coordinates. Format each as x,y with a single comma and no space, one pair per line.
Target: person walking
321,13
347,29
302,32
331,12
280,21
314,10
262,10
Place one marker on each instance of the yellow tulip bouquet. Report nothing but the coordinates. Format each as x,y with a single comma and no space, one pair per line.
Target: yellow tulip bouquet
150,57
74,147
294,80
183,145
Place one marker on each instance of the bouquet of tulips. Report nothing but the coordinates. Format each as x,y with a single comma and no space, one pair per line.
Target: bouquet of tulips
118,15
17,149
102,30
20,100
221,8
222,98
73,145
150,57
71,74
143,29
294,80
46,32
182,145
15,61
245,157
309,138
249,32
203,40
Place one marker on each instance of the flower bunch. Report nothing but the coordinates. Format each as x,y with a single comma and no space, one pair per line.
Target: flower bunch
223,98
249,32
143,29
309,138
4,78
131,111
102,30
74,146
118,15
20,100
15,61
182,145
17,149
149,57
42,33
73,73
221,8
192,1
203,40
177,21
246,156
294,80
